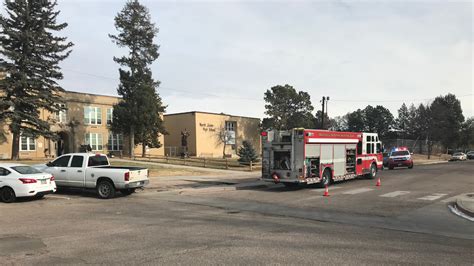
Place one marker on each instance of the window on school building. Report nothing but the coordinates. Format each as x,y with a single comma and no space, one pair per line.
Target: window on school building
92,115
230,127
61,115
110,112
115,142
95,140
27,144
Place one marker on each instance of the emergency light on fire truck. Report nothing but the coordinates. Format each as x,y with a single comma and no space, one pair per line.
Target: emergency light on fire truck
319,156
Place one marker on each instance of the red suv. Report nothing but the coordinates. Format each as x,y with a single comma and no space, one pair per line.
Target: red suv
400,159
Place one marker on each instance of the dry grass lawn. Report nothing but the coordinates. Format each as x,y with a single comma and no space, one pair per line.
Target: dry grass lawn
154,170
158,170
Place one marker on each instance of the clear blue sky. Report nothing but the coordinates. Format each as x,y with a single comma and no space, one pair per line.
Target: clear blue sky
222,56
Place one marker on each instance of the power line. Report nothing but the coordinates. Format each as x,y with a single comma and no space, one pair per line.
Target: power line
259,99
398,100
165,88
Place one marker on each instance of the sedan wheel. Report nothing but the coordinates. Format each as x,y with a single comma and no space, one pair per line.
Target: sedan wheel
7,195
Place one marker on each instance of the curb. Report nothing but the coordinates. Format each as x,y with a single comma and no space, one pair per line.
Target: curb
253,185
460,205
429,163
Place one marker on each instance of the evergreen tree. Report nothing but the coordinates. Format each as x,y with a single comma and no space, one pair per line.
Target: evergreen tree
378,119
447,117
247,153
355,121
372,119
327,121
340,123
403,119
467,134
138,114
411,126
288,108
31,56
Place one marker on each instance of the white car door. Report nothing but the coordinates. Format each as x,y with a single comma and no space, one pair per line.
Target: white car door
76,171
59,168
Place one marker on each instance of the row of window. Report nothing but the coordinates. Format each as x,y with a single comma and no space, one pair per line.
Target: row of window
115,142
78,160
92,115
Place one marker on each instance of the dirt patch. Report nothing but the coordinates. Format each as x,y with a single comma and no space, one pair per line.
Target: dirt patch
20,245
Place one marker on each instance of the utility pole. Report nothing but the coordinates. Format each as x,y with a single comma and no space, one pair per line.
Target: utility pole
324,104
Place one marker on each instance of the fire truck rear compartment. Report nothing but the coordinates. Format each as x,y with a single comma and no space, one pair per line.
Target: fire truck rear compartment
282,160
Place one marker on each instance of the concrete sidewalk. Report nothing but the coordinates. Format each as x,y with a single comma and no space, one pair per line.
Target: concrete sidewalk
212,170
216,178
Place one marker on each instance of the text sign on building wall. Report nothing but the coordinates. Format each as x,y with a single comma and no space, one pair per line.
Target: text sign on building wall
207,127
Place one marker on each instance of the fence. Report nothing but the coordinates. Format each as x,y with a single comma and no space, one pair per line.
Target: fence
215,163
171,151
416,146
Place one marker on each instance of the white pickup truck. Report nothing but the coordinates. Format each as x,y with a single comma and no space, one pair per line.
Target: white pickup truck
86,170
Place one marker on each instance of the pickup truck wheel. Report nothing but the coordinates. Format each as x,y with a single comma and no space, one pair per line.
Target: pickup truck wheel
105,189
127,192
7,195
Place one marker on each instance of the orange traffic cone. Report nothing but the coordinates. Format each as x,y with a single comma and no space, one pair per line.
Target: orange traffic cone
326,192
379,183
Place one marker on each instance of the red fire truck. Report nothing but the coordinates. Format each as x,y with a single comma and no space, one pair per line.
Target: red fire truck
319,156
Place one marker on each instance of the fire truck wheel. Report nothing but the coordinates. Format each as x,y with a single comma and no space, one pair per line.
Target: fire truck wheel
326,179
373,171
411,166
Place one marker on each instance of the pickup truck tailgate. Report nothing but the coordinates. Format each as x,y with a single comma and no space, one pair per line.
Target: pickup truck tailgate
138,175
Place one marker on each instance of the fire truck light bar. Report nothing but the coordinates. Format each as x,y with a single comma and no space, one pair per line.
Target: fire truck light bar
320,140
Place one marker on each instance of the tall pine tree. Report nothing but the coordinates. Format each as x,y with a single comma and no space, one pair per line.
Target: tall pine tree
138,114
403,119
31,56
287,108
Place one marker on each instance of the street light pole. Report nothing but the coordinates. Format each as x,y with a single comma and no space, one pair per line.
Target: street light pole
324,104
322,112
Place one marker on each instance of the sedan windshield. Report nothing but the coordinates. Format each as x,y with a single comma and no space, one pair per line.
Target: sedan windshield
400,153
458,154
25,170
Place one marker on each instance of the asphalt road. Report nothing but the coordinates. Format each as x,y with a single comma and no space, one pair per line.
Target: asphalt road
405,221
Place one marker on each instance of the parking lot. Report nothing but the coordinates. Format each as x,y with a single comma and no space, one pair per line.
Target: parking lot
405,220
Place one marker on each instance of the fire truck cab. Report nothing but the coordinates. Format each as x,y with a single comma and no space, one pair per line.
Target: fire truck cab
319,156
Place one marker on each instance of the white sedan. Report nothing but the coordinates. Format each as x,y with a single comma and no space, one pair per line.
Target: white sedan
459,156
19,180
